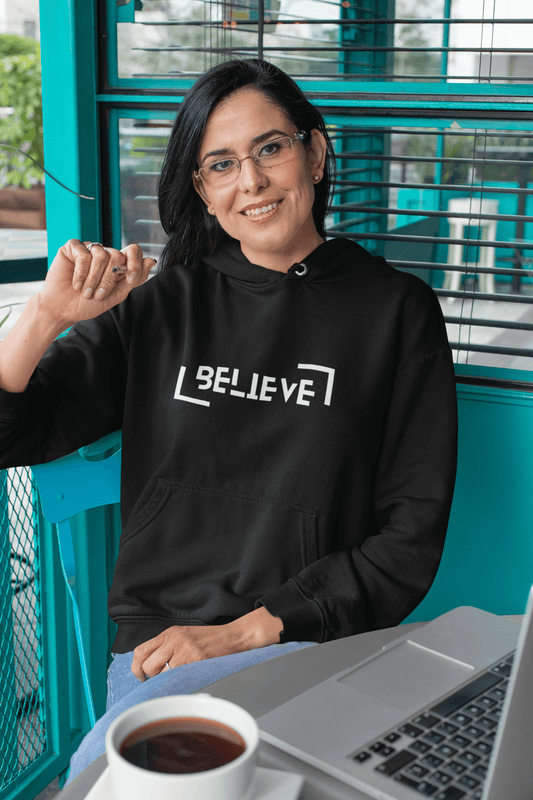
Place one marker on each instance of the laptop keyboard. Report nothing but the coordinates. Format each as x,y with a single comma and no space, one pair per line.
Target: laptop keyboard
444,752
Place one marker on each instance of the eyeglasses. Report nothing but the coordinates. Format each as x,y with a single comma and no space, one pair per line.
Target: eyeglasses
269,154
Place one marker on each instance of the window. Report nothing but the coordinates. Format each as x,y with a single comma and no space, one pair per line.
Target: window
23,242
429,106
30,28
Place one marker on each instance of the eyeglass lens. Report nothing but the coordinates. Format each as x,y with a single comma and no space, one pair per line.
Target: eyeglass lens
276,151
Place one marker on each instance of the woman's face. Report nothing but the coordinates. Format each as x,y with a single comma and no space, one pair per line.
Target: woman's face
285,234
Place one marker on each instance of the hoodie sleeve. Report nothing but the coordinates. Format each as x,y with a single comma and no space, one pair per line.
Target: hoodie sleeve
74,397
377,584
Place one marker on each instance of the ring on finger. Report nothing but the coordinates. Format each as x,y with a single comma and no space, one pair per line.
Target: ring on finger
167,665
94,244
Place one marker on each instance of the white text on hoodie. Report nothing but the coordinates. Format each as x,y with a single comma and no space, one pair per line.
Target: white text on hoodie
225,380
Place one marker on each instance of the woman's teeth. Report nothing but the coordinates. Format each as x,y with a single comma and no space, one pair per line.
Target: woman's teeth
254,212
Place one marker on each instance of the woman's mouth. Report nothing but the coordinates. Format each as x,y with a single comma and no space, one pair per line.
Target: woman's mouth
262,212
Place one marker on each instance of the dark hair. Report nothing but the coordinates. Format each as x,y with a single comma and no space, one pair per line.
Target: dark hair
192,231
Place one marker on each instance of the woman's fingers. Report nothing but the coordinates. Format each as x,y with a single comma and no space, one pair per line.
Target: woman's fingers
81,284
96,277
151,657
85,265
134,263
179,645
77,253
107,267
142,652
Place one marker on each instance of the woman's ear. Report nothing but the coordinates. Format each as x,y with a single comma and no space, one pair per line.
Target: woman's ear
199,187
316,152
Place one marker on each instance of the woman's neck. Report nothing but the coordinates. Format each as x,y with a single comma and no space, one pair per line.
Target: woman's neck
281,260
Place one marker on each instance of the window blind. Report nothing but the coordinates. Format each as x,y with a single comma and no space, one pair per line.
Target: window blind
376,40
428,105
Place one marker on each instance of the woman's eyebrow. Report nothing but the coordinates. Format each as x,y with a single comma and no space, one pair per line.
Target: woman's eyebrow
224,151
267,135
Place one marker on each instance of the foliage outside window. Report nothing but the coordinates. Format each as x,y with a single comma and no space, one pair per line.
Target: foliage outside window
20,89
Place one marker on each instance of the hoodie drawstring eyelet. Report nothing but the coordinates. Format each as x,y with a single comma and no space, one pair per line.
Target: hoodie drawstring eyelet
301,273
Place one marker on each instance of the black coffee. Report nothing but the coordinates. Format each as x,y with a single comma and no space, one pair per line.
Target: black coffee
182,744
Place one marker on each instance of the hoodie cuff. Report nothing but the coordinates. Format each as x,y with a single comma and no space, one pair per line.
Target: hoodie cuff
301,619
12,404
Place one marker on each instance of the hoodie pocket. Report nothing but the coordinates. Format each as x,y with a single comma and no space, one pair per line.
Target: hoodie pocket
192,540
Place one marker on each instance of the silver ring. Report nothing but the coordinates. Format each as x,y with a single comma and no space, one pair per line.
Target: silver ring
93,244
167,665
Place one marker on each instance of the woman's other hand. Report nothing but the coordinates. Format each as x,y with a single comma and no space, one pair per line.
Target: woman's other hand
81,284
185,644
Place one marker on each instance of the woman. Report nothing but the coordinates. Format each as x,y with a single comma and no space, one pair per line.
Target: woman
287,404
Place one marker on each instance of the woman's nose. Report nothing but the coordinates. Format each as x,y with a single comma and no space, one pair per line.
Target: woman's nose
251,177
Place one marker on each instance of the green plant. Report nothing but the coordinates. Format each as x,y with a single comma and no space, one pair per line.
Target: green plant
20,89
13,45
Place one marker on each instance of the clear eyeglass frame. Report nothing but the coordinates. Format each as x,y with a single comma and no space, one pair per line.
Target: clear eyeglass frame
215,179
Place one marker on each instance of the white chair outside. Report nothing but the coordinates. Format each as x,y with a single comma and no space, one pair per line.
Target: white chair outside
459,230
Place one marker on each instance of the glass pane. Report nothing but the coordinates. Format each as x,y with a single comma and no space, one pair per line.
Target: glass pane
454,206
487,52
172,38
23,246
16,247
142,147
392,40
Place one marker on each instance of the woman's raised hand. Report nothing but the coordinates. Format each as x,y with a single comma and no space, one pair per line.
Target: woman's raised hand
81,284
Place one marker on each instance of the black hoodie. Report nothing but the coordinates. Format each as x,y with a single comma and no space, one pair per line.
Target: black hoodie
289,439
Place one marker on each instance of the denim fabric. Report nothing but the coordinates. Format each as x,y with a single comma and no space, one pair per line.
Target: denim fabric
125,690
120,678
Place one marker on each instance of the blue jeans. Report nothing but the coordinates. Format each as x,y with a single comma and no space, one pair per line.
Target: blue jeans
125,690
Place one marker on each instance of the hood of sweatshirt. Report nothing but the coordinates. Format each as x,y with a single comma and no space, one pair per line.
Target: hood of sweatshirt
332,260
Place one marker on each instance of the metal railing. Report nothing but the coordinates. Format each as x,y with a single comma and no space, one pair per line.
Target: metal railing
23,733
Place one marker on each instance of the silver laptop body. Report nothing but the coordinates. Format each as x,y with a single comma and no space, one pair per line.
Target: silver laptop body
389,726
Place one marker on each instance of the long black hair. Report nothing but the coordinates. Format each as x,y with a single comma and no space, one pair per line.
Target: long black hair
192,231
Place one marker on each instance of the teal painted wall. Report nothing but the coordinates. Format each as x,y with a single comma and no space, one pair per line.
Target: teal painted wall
488,556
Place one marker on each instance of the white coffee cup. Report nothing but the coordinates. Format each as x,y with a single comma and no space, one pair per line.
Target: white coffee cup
231,781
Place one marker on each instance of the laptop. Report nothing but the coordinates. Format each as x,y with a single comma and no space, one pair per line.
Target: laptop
445,711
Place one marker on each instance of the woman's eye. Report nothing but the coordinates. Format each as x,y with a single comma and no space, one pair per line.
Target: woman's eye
269,149
221,166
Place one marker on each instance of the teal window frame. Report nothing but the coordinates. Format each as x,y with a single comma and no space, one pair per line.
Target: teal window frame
19,270
70,120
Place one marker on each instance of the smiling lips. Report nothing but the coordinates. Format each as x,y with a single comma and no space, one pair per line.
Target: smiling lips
261,212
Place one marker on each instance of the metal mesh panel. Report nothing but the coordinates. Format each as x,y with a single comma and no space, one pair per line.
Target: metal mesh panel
22,721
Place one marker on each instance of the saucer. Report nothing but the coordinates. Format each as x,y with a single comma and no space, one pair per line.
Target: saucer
269,784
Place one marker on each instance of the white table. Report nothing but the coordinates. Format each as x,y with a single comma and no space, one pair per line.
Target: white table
265,686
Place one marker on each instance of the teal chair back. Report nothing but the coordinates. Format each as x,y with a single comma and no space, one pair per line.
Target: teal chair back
87,478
